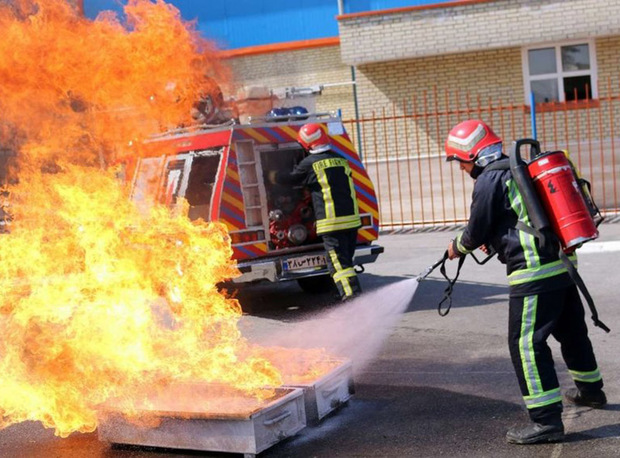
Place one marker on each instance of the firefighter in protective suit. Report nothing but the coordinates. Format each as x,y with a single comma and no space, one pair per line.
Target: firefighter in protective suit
327,175
543,300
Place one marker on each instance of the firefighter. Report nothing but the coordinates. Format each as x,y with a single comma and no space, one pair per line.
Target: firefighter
327,175
543,300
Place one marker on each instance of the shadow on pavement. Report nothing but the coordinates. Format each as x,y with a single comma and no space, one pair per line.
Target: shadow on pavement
464,294
287,301
595,433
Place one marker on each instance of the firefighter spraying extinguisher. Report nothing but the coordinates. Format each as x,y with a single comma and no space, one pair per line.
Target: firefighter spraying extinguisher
534,215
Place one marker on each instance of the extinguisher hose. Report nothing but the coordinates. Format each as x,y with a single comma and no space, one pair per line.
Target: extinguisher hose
574,275
447,293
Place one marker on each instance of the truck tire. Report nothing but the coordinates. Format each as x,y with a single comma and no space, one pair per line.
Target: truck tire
317,284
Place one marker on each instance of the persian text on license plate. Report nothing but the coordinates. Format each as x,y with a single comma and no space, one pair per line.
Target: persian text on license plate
304,262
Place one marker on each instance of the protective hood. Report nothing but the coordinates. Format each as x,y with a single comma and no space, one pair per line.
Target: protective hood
489,154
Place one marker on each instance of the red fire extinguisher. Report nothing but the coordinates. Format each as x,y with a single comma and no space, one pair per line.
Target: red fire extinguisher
555,198
554,195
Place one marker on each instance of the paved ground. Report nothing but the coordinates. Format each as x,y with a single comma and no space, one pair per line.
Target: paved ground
435,386
444,386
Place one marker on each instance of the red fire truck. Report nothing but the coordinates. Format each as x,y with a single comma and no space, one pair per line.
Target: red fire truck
222,172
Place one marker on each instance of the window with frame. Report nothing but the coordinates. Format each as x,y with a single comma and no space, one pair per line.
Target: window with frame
560,72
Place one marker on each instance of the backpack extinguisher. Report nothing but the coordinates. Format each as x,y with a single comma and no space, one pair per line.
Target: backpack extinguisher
556,199
554,196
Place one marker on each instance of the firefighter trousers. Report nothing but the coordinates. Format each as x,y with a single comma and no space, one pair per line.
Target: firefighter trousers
532,319
340,248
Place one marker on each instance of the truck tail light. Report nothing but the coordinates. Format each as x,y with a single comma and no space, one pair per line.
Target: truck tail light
237,238
366,220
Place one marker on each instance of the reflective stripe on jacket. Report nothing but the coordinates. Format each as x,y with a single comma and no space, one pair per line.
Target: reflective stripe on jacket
496,207
328,177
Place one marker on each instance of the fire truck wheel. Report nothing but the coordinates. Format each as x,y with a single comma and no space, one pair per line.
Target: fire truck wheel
316,285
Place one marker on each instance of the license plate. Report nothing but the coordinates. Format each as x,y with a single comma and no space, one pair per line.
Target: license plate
304,262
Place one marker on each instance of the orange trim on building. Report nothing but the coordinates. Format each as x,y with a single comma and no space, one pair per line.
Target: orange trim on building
280,47
407,9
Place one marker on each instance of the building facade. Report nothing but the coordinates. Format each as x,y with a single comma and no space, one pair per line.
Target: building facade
403,72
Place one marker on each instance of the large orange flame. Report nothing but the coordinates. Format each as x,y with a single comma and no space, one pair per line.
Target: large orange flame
99,300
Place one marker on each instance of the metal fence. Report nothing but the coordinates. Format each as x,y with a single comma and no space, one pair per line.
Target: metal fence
402,148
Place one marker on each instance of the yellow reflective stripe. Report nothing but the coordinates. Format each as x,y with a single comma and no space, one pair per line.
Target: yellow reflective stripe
352,186
334,257
346,285
330,162
590,376
460,246
527,240
529,250
526,345
321,176
538,273
543,399
337,224
345,273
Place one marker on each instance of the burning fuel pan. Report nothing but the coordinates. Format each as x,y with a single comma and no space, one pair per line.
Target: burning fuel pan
235,424
327,393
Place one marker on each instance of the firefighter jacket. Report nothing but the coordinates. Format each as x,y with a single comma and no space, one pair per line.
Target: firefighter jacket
327,175
497,207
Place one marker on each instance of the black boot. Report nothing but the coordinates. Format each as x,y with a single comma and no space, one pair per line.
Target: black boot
595,399
535,433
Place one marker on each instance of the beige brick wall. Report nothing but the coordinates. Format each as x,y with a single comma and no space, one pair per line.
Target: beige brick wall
608,60
448,84
440,86
472,27
415,180
484,74
301,68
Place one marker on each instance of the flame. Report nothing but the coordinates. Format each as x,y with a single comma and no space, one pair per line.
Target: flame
99,300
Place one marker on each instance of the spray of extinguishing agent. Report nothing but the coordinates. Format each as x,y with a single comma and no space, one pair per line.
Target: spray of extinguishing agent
555,198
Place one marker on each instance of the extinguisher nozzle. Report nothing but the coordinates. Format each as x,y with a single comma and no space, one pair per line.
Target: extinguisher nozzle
600,324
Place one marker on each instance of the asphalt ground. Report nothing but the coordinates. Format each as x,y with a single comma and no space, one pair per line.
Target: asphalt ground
438,386
444,386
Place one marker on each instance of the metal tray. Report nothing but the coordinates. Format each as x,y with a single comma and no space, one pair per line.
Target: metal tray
328,393
176,423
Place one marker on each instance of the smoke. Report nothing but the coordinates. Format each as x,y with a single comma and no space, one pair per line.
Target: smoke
355,330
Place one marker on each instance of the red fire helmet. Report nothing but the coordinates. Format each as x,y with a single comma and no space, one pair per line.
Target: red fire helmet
467,139
314,138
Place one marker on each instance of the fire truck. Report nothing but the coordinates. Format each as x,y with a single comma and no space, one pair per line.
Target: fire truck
222,172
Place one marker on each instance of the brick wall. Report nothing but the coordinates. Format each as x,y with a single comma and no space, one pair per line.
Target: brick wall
496,74
608,59
304,67
419,32
404,154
